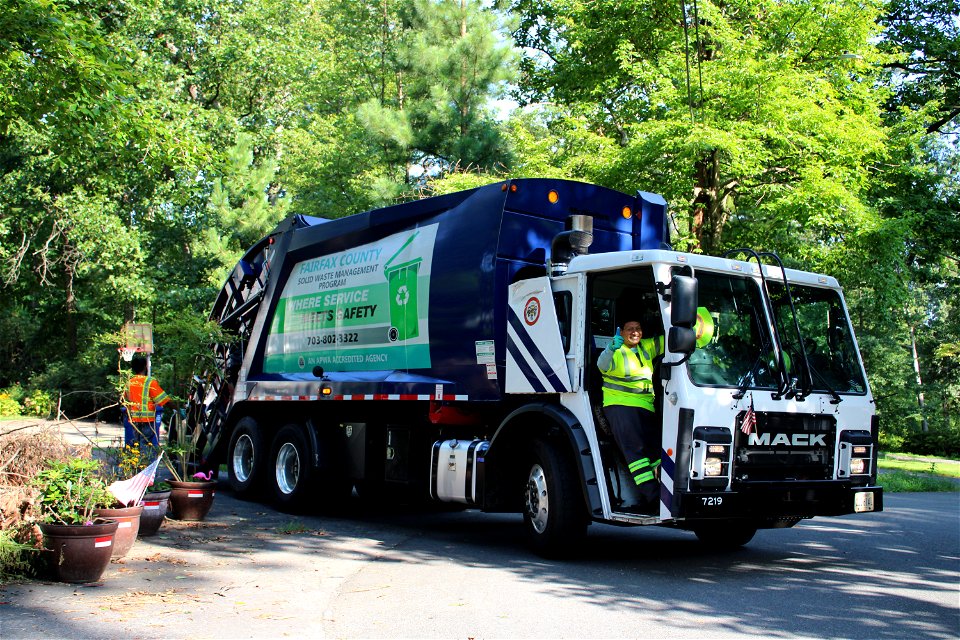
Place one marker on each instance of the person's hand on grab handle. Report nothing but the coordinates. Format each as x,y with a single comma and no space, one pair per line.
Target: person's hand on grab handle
617,340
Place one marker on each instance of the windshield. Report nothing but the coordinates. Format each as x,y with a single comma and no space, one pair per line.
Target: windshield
739,353
826,335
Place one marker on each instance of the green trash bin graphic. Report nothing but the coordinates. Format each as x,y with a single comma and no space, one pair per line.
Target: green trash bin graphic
402,287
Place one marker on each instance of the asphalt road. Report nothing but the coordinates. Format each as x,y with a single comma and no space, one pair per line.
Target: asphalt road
250,572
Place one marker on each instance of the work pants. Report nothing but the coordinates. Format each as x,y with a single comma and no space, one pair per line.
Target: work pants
638,436
150,430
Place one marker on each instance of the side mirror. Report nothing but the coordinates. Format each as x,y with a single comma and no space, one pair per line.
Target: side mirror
683,301
682,340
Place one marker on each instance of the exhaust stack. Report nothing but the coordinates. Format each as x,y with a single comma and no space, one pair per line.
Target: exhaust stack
566,245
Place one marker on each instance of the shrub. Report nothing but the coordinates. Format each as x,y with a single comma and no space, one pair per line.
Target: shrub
939,442
8,405
891,441
38,404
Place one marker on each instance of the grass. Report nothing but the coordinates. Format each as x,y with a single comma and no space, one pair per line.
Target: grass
904,482
920,464
292,528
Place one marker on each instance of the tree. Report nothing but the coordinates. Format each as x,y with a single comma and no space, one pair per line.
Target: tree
923,39
775,129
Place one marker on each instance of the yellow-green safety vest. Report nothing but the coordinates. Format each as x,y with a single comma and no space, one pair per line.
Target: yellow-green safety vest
629,381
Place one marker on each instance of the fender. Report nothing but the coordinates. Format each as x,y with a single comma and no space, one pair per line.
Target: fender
577,439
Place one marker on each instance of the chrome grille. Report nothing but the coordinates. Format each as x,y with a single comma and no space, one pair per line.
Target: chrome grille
785,446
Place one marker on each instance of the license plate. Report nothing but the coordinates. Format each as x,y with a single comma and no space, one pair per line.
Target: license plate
863,501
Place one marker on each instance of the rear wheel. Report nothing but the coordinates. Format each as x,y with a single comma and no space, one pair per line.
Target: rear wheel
246,458
291,472
725,534
554,515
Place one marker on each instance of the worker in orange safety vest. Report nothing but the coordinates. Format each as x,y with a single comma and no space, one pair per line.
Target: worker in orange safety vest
141,399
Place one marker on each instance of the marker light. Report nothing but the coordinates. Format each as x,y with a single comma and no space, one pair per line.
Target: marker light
627,213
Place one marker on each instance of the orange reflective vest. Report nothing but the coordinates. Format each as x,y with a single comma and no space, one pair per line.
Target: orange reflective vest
142,407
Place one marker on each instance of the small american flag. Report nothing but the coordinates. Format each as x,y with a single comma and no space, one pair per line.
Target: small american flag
132,490
749,419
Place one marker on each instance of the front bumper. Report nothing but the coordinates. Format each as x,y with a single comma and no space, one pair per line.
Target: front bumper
774,500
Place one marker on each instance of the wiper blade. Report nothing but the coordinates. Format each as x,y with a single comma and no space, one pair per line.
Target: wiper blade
749,376
836,396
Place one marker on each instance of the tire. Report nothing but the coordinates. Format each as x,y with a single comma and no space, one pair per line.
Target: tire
554,516
247,458
724,535
291,472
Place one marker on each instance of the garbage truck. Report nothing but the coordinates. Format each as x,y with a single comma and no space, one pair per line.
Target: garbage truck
445,350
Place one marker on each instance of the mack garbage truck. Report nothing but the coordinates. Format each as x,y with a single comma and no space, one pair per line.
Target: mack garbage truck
445,350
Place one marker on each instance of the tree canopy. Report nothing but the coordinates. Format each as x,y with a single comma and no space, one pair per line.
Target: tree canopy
144,146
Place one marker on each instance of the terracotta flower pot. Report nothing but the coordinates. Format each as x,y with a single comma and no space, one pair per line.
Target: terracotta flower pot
79,553
128,524
154,511
191,500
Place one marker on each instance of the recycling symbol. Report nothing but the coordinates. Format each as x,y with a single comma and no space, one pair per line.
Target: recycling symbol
403,295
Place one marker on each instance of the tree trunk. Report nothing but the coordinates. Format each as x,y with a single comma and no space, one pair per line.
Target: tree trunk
71,306
916,368
706,226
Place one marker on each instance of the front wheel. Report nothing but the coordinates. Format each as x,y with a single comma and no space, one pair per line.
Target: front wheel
554,515
725,534
290,472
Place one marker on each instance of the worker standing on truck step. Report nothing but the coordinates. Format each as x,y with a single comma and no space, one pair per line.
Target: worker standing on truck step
626,366
141,399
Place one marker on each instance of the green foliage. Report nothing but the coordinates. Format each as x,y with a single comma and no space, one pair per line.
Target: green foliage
181,452
922,36
38,404
70,491
16,558
144,147
9,407
939,442
15,401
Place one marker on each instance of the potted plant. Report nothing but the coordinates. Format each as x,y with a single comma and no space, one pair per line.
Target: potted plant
131,459
79,543
155,503
191,491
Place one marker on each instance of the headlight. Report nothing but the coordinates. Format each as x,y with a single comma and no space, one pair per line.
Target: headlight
858,466
713,467
856,454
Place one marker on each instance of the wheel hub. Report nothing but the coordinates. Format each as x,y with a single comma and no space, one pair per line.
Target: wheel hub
288,468
537,501
243,454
